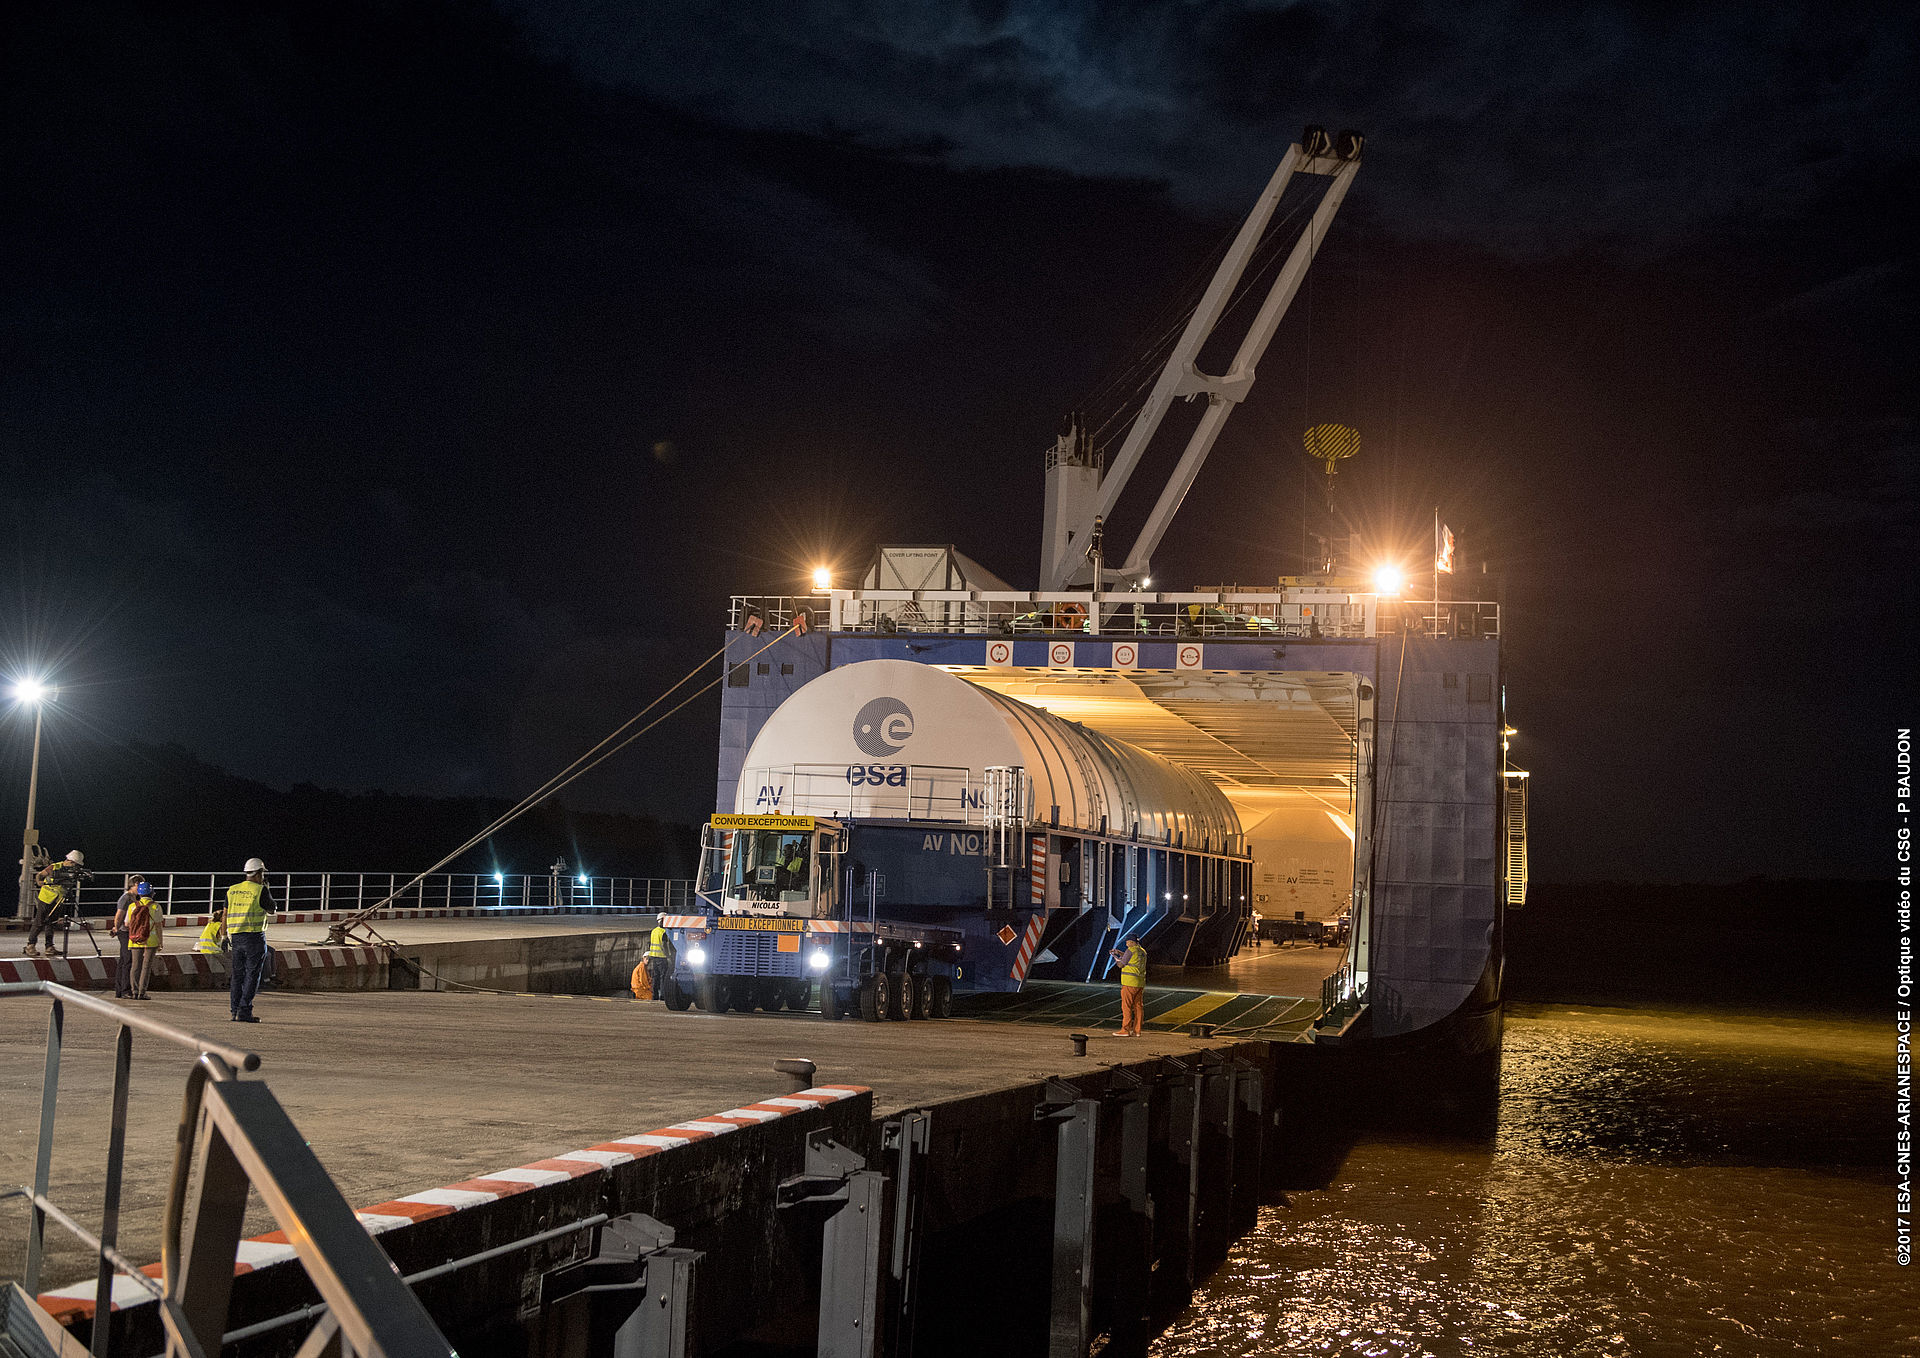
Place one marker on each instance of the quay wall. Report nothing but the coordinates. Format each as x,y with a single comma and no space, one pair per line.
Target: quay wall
992,1190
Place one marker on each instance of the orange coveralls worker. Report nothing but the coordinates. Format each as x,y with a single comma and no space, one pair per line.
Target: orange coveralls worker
1133,989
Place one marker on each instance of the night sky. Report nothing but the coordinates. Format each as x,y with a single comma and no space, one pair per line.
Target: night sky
394,393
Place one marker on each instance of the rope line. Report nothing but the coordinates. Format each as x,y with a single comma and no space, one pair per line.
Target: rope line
585,762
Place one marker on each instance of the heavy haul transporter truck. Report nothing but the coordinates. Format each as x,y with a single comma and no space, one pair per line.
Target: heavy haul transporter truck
900,834
791,919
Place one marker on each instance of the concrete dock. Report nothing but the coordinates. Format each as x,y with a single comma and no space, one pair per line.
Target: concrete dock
398,1092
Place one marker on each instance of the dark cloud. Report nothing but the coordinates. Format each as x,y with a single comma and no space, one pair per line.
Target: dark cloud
1529,128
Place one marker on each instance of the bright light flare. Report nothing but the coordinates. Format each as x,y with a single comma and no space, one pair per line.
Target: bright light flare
819,960
1389,580
696,957
822,578
499,879
29,691
583,879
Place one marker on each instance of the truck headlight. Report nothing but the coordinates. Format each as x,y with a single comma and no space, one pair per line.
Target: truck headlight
696,957
819,960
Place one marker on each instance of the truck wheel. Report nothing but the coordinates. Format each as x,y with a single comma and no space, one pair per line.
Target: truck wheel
899,996
676,996
708,995
830,1008
769,995
922,996
799,995
870,998
942,1002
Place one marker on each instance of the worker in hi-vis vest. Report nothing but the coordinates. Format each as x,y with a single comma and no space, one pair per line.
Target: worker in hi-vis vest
1132,957
658,957
249,903
213,938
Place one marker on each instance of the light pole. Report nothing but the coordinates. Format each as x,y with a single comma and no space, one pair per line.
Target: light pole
31,693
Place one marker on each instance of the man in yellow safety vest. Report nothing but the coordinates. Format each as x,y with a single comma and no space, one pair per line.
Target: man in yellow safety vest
249,902
1132,957
658,956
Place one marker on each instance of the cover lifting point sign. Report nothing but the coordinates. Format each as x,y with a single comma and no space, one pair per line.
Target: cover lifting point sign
1000,653
1186,655
1060,654
1126,655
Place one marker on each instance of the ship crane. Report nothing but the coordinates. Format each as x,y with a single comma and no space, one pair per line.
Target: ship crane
1081,495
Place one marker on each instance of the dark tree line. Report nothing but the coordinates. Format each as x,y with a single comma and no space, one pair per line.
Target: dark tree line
158,808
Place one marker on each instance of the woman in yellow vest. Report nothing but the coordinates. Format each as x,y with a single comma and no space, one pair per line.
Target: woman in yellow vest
143,938
213,938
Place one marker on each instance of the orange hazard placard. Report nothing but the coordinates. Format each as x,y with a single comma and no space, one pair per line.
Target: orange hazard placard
787,943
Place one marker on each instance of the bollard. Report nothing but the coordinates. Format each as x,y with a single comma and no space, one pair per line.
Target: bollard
800,1071
1201,1029
1079,1041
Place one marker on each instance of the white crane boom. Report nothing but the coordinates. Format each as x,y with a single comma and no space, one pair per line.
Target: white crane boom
1180,376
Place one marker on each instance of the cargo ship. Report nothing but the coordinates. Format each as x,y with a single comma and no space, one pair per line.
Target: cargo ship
998,785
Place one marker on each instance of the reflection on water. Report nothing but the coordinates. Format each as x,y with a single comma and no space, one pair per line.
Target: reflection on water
1659,1183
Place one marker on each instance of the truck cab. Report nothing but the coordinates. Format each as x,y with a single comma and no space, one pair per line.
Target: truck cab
775,931
787,868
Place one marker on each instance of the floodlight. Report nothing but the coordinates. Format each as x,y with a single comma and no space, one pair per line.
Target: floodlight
1389,580
822,577
29,691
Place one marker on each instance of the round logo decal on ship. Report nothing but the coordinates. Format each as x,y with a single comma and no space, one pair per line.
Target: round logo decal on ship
882,727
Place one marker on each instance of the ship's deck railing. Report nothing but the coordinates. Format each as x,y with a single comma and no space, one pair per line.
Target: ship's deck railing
234,1138
1303,613
188,893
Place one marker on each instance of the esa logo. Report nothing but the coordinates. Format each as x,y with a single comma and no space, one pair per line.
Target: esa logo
882,727
877,775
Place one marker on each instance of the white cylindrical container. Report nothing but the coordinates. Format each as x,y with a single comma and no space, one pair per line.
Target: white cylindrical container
897,740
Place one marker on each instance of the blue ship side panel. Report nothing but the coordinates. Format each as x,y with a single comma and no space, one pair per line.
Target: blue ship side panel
1436,897
745,706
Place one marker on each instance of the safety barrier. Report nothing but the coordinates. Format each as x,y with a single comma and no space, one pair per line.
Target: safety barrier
234,1138
185,893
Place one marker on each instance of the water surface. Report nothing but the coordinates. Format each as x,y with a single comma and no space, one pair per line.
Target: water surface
1660,1183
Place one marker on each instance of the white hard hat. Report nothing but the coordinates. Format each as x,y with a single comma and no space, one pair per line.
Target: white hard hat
76,857
255,865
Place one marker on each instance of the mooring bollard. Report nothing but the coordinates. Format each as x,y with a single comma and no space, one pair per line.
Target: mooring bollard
1079,1041
800,1071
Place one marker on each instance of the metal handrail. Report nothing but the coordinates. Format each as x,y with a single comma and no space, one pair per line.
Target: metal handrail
944,793
1295,613
234,1138
187,893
